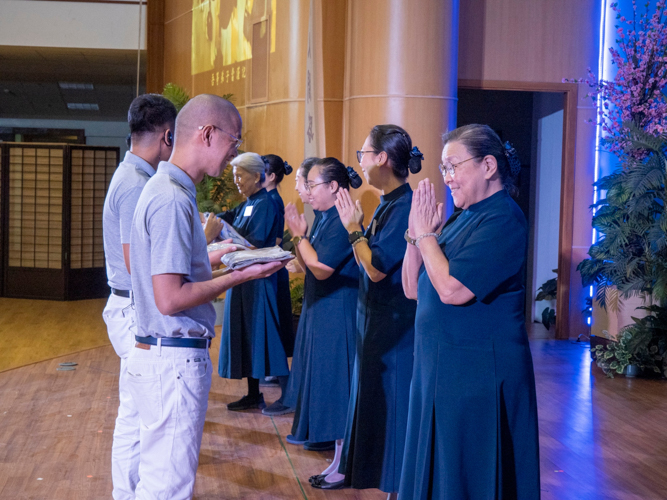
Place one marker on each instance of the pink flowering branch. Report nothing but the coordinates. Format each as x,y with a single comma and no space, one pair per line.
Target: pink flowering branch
637,94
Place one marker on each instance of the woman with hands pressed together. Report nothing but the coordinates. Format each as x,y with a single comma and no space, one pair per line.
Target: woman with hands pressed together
327,352
378,410
472,428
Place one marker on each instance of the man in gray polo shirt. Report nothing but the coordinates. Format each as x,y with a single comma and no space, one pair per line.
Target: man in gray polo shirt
151,118
169,370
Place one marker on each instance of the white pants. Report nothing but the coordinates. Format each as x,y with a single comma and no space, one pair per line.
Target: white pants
169,388
120,319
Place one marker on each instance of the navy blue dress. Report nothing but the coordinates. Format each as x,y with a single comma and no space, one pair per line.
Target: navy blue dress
284,298
250,344
296,373
325,358
472,429
378,412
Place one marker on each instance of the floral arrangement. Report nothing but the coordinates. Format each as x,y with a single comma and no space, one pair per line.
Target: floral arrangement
630,257
637,93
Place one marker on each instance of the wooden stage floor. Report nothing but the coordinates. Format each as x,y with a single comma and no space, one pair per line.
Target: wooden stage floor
600,438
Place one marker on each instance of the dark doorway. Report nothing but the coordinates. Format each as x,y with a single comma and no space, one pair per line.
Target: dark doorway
533,123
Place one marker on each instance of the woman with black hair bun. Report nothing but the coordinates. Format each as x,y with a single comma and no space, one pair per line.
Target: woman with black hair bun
472,426
325,358
378,410
275,171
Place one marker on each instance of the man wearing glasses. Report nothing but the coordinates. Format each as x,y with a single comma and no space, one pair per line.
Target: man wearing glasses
168,369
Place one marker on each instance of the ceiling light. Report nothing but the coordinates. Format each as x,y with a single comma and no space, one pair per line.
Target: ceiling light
83,106
75,86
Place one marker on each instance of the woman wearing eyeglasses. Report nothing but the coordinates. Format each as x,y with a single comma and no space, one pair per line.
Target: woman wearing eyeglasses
250,345
378,410
326,358
472,428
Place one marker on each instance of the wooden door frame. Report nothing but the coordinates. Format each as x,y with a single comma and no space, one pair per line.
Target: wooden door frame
565,236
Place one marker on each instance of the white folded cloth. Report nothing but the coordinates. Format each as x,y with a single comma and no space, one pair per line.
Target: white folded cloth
223,246
245,258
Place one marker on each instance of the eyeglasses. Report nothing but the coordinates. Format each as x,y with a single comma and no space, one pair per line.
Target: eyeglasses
237,141
450,168
360,154
310,186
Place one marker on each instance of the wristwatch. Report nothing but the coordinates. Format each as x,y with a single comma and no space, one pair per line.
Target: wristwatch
297,239
354,236
408,239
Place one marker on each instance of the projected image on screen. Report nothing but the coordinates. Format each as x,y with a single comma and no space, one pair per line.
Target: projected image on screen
222,31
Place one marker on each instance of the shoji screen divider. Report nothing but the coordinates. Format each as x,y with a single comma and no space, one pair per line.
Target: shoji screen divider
51,202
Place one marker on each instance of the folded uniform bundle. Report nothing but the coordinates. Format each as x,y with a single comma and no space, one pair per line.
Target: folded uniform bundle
245,258
228,232
223,246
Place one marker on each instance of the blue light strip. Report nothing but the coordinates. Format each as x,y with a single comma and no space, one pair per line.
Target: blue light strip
598,127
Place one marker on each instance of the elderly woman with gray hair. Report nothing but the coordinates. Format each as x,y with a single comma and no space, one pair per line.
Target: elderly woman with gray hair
250,344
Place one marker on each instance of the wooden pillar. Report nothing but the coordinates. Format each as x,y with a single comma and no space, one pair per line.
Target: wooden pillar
155,46
401,68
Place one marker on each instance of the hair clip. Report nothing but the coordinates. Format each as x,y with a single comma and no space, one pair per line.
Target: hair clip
352,173
288,168
266,162
512,158
415,153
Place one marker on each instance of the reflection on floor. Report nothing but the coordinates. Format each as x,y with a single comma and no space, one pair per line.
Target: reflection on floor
36,330
600,438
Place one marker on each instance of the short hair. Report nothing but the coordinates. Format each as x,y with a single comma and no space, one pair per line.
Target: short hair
149,112
332,169
396,142
250,162
275,165
480,141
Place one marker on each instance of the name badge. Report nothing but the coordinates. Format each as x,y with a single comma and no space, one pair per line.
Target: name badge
248,211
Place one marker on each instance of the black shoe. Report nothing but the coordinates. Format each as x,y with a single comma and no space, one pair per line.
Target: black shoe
277,408
322,484
316,478
325,446
247,403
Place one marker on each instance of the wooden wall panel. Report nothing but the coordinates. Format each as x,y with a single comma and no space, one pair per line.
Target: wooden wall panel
177,56
176,8
528,40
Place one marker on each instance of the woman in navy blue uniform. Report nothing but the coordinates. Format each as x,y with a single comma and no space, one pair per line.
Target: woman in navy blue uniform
326,359
378,410
250,344
275,170
472,429
293,266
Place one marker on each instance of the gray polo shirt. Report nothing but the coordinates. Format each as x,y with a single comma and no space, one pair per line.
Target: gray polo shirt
126,185
167,238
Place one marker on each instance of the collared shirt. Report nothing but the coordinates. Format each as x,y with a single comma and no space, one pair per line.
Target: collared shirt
126,185
167,238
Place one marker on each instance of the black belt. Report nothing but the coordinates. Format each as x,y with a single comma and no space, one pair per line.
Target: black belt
175,342
121,293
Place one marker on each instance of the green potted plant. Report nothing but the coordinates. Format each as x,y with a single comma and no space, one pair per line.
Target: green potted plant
296,286
548,292
630,257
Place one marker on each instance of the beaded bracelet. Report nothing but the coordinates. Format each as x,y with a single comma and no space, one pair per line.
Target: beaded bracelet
421,237
359,240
